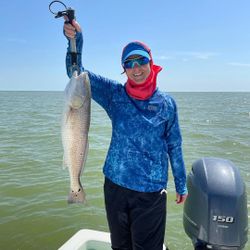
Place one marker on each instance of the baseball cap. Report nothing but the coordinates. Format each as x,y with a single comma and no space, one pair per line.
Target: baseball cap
135,48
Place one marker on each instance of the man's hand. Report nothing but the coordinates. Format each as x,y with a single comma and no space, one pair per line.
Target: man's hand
180,198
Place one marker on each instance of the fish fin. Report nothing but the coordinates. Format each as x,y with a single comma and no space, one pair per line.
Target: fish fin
64,163
76,196
85,153
67,113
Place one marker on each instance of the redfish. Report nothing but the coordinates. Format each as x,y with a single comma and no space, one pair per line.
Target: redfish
75,128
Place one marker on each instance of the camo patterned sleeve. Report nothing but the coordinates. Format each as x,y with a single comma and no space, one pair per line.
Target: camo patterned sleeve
102,90
79,44
174,141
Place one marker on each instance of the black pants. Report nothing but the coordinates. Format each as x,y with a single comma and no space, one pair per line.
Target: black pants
136,220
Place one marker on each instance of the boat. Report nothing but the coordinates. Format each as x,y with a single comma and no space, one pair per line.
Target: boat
87,239
215,214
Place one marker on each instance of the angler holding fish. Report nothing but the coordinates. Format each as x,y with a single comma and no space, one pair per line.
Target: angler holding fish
145,137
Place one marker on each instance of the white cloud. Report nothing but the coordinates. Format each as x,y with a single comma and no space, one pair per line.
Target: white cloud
237,64
197,55
187,55
162,57
14,40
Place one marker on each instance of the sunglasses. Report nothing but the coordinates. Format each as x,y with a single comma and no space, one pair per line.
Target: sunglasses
129,64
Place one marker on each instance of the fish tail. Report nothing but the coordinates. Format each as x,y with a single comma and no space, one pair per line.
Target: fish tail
76,196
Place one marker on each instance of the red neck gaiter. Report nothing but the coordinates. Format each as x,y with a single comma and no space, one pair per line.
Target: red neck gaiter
144,90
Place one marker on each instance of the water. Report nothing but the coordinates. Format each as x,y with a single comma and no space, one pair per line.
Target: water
33,186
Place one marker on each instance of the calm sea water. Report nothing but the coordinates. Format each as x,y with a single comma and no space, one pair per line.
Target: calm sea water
33,186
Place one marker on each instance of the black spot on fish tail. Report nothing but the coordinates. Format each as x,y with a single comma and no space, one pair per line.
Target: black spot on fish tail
76,197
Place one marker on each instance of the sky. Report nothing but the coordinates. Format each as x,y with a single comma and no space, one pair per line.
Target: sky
202,45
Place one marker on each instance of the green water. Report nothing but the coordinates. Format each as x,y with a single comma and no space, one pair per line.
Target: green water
34,213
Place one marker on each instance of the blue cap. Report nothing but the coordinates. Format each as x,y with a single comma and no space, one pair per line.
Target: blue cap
135,48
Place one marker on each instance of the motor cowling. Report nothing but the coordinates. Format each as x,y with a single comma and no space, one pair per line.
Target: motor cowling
215,212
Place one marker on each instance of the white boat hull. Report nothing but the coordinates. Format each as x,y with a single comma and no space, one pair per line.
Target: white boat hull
87,239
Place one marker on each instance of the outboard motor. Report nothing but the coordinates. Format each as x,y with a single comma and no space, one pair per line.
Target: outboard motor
215,212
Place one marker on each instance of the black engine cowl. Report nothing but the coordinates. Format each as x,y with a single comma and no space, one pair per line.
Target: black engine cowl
215,212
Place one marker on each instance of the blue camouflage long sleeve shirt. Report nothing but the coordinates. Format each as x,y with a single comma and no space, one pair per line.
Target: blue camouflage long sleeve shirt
145,135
